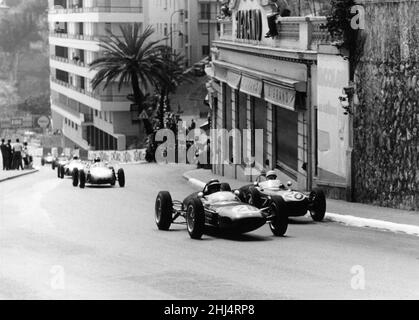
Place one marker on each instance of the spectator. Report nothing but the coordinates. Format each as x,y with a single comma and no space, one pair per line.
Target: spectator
4,154
9,155
17,155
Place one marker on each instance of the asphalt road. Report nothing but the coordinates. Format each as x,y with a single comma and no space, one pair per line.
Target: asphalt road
60,242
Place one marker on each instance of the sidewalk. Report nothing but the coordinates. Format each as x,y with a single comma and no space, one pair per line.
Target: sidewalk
13,174
351,214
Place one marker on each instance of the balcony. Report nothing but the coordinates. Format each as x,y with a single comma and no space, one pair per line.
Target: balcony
295,33
97,9
69,61
101,102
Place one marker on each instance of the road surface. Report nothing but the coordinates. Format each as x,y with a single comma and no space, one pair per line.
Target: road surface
60,242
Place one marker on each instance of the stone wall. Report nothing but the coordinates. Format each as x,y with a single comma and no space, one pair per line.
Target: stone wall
386,120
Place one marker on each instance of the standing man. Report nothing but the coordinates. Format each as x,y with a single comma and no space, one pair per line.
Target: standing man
9,155
3,154
17,155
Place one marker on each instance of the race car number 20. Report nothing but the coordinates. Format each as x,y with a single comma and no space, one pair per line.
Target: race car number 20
230,310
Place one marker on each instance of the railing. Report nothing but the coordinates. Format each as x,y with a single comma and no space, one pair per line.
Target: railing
66,60
302,33
105,98
97,9
84,37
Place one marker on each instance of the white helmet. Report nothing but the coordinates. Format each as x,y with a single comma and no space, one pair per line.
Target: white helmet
271,175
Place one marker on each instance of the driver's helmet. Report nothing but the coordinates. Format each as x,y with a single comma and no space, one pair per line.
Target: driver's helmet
96,160
271,175
213,186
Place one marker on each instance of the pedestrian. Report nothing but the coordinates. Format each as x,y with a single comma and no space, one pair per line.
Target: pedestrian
4,154
9,155
17,155
193,125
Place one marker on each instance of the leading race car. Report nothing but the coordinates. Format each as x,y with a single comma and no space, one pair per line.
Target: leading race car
98,173
66,168
216,206
49,159
268,189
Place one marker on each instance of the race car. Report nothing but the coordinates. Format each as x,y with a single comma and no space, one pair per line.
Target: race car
98,173
216,206
49,159
268,189
66,168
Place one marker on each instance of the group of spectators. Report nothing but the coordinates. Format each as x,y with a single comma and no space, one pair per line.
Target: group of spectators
14,155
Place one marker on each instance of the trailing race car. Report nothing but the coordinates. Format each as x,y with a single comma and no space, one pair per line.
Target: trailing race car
98,173
217,207
268,189
49,159
66,168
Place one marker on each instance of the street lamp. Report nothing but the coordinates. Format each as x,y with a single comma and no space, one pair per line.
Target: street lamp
181,11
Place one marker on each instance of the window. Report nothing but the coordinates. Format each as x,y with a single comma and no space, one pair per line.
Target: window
96,113
105,115
205,50
206,11
286,142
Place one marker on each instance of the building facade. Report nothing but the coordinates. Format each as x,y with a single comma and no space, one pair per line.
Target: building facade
189,26
287,86
90,119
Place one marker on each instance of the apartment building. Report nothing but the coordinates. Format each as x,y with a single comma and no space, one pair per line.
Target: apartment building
89,119
189,26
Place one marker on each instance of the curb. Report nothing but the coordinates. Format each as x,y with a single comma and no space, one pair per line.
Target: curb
347,220
19,175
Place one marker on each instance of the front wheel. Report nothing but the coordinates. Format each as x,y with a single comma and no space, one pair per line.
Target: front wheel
75,177
62,171
121,178
42,162
59,172
53,165
317,205
195,218
164,210
279,224
82,179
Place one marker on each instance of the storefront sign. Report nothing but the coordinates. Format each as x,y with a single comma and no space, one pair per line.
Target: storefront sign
233,79
251,86
249,25
280,96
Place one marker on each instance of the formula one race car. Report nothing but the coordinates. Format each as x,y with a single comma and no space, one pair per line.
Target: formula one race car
98,173
66,168
268,189
49,159
220,208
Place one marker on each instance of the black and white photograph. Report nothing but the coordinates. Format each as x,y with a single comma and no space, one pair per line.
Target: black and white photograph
209,154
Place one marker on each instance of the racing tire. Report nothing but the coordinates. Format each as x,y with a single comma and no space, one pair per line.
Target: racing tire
195,218
42,162
121,178
163,210
279,224
62,171
59,172
318,205
53,165
252,198
82,179
75,177
225,187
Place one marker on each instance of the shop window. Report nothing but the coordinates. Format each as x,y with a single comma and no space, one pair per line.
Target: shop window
259,116
286,138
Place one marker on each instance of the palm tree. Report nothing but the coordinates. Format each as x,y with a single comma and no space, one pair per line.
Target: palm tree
133,59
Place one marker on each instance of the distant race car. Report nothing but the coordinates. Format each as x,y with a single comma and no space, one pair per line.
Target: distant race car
268,189
98,173
217,207
66,169
49,159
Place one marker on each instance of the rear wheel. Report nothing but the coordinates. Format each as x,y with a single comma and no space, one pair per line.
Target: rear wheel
42,162
59,171
62,171
279,224
195,218
82,179
163,210
53,165
75,177
318,205
121,178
